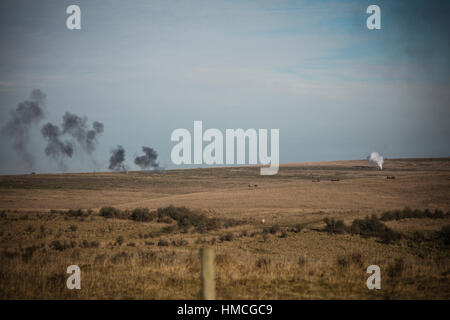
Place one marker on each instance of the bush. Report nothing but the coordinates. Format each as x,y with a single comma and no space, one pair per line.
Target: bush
61,246
28,252
444,235
226,237
301,261
169,229
373,227
272,230
413,214
179,243
367,226
263,263
389,236
142,215
297,228
283,234
343,261
334,226
396,269
120,240
76,213
186,218
87,244
121,257
111,212
30,229
163,243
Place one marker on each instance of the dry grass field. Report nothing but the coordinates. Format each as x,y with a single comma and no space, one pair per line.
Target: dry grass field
294,254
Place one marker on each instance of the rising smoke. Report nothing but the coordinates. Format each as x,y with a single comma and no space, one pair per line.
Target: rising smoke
25,115
117,158
63,140
74,127
56,148
376,159
148,161
77,127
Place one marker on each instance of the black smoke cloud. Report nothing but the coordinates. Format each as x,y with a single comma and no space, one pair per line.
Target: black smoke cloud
77,127
56,148
117,158
147,161
26,114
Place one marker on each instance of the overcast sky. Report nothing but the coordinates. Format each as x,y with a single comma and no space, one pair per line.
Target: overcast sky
335,89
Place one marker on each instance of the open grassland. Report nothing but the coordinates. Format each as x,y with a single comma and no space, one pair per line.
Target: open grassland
314,243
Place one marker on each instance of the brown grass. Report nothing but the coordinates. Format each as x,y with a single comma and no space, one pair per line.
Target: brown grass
255,264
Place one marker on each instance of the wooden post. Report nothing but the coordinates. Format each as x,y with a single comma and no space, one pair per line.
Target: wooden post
207,274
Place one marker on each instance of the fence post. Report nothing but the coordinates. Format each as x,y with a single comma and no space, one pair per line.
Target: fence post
207,274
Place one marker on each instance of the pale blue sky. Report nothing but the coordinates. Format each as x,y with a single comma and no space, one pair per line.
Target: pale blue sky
335,89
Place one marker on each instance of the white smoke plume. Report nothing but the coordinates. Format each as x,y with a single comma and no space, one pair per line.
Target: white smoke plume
376,159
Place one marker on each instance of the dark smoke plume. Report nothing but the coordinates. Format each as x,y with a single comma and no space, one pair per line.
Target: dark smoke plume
117,158
56,148
147,161
77,127
23,117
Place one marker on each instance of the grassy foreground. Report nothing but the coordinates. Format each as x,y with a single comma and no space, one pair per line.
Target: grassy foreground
142,254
